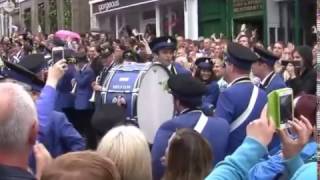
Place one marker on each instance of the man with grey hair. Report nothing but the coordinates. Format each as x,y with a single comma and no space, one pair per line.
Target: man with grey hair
18,131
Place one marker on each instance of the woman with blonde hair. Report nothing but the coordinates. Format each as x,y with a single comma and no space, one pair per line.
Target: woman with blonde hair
129,150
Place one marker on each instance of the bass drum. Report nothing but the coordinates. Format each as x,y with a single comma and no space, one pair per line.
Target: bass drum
122,84
154,103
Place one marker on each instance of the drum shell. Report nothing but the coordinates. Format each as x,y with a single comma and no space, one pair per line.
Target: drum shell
124,80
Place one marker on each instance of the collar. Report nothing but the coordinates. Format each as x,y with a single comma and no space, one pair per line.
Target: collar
188,110
268,79
184,111
240,80
265,80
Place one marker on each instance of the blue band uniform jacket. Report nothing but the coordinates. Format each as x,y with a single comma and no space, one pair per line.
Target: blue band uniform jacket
216,131
84,91
273,82
233,102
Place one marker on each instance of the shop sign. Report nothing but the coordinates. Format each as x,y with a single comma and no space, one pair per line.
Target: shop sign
240,6
108,5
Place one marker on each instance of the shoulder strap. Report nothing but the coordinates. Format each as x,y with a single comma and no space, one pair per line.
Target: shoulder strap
201,123
254,96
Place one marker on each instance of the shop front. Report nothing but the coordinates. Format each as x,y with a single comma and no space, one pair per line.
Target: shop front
227,17
153,17
274,20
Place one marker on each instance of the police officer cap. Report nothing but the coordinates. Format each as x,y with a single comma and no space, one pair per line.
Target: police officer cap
106,117
106,52
34,62
58,42
22,74
129,55
81,57
187,88
165,42
266,56
240,56
204,63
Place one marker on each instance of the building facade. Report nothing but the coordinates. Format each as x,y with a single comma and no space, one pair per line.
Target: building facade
160,17
275,20
51,15
8,17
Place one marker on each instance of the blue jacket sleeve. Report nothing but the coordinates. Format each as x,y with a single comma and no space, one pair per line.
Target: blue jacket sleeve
267,169
293,164
209,100
45,105
306,171
237,165
69,136
84,78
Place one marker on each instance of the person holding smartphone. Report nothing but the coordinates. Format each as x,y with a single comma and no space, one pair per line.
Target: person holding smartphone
304,79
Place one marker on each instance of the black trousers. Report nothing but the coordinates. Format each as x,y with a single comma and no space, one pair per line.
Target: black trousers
82,122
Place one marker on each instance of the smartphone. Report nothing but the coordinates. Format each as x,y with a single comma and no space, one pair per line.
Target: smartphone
280,106
57,54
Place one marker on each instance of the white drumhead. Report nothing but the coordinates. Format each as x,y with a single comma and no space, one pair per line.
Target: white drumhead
155,103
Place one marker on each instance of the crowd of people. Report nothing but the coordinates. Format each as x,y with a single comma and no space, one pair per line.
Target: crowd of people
51,129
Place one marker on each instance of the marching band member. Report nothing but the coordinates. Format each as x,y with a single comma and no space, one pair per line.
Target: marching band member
205,74
82,82
163,48
187,93
263,69
107,58
241,102
83,92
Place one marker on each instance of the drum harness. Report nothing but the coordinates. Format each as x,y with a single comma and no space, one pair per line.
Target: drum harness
245,114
